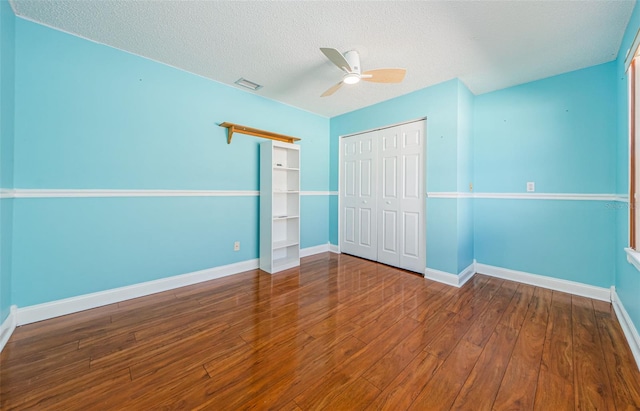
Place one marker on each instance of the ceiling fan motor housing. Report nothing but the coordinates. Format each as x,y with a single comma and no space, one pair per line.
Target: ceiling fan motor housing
353,58
349,62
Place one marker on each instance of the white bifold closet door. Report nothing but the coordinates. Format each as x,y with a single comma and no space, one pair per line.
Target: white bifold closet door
358,196
382,196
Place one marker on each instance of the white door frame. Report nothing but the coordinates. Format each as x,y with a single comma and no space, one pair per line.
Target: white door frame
423,229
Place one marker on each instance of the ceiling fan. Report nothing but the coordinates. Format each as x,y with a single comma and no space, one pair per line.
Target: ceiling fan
350,64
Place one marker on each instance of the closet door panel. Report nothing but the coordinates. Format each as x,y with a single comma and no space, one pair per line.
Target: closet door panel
365,227
411,231
389,161
412,205
358,205
390,225
349,225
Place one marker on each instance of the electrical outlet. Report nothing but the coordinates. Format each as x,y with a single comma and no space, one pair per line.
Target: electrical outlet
470,187
236,246
531,186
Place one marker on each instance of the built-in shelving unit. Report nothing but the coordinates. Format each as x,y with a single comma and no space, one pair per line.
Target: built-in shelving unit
279,206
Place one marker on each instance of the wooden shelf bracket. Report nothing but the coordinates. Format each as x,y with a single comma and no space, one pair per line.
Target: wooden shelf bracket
236,128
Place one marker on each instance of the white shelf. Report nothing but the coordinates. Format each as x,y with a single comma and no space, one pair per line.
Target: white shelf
283,244
279,206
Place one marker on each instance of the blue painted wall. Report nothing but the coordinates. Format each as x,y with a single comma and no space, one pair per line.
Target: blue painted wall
314,220
557,132
440,104
93,117
7,53
92,244
627,279
465,223
569,240
109,119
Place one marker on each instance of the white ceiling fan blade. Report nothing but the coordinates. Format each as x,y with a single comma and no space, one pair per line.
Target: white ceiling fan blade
337,58
385,75
331,90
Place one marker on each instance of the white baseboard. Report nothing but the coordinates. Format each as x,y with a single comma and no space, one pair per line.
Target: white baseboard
456,280
629,329
466,274
441,276
7,327
39,312
334,248
571,287
322,248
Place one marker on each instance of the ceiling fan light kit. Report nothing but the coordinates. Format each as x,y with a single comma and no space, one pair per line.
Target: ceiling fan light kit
351,78
350,64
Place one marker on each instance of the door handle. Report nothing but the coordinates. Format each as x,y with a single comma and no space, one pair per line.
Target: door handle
364,201
388,202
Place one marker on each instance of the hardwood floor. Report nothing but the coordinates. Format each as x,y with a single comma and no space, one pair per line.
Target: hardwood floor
338,333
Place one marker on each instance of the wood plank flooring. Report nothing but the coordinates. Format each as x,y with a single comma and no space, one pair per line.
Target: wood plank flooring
339,333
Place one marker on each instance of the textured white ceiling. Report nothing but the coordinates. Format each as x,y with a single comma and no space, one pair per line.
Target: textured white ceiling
489,45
